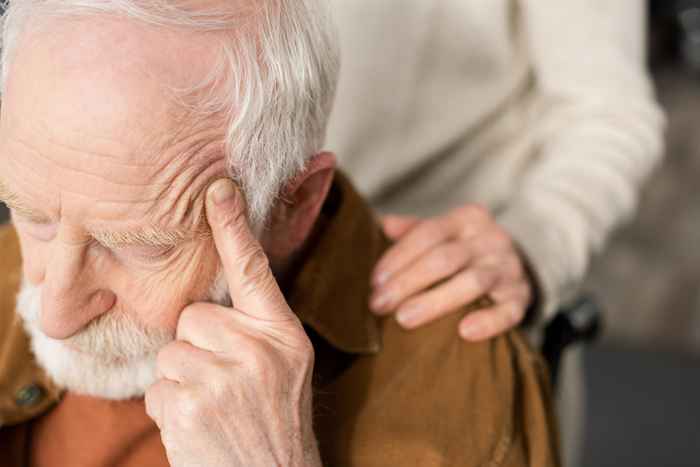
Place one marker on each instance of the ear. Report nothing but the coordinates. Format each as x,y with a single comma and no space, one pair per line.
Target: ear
293,218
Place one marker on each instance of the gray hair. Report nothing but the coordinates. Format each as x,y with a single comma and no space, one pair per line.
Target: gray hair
275,81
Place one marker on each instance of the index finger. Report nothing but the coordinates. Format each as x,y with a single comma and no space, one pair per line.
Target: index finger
414,244
397,226
252,286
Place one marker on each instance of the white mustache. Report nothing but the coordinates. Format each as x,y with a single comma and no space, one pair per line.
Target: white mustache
113,336
113,357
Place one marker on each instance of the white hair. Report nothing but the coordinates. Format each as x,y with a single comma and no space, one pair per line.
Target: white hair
116,358
275,81
113,357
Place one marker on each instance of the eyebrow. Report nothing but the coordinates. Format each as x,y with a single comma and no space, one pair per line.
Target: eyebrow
149,236
13,201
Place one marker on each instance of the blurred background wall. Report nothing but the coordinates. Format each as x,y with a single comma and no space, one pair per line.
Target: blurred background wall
648,277
643,378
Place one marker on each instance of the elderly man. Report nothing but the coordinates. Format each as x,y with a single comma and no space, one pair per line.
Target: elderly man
165,314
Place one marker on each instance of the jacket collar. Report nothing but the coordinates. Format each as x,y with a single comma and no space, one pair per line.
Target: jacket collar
329,292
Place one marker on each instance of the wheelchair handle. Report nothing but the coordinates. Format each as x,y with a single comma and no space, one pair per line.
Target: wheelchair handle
576,323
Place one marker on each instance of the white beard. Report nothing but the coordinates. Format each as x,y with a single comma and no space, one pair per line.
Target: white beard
116,357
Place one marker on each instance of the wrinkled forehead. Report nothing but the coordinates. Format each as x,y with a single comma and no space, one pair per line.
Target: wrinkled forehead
112,77
89,119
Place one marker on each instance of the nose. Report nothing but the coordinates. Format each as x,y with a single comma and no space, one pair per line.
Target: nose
71,297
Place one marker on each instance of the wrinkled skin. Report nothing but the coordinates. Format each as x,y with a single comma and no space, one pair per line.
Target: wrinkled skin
237,378
94,148
441,264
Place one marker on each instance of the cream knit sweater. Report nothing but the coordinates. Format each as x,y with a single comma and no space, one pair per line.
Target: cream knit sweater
540,109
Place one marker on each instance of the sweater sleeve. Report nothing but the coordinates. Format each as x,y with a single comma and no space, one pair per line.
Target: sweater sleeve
598,132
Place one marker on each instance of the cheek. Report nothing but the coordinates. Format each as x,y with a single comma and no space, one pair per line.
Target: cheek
158,297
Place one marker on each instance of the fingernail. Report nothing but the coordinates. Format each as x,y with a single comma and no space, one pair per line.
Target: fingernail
380,278
470,331
407,318
222,191
378,302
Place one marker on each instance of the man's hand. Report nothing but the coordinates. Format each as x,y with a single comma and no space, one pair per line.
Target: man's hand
441,264
235,387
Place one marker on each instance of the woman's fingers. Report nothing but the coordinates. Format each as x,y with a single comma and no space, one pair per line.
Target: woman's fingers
436,265
440,265
490,322
418,240
396,226
462,289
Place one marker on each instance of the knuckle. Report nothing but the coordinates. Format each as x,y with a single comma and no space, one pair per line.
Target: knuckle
306,352
301,362
188,313
151,404
186,321
151,396
420,302
513,314
482,279
489,326
165,356
501,294
259,359
192,313
234,219
218,373
289,323
491,261
474,212
396,290
191,316
514,268
433,228
191,408
441,308
443,259
254,265
501,239
300,359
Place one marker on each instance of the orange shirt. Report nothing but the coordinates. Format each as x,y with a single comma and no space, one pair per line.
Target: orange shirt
89,432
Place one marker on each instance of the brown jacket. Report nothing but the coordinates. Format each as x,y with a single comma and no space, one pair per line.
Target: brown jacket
385,396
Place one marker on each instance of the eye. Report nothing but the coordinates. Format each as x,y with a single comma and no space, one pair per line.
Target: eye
43,231
146,254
